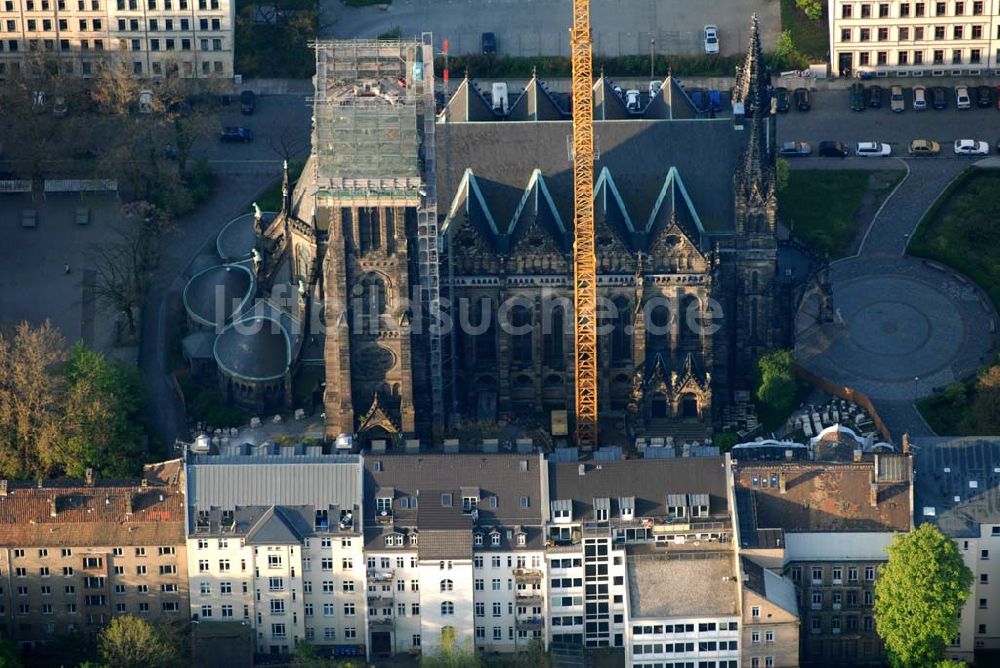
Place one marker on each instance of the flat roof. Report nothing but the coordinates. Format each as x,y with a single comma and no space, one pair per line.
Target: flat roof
695,585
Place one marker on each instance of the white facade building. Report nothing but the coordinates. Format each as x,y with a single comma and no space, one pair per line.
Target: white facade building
153,38
914,38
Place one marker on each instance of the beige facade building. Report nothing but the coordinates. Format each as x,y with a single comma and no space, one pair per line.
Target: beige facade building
914,38
770,625
75,554
153,38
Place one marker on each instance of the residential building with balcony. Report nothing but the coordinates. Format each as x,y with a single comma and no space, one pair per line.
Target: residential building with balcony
825,525
957,487
615,524
455,551
274,540
914,38
153,38
75,553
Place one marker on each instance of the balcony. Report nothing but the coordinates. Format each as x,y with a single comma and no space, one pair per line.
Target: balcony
380,624
375,575
383,517
531,623
380,598
527,575
532,598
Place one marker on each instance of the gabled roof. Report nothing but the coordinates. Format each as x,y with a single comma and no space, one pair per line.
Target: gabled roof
468,103
275,527
608,106
776,589
671,102
535,103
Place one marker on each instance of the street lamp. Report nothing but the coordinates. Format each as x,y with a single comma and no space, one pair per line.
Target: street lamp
652,56
916,379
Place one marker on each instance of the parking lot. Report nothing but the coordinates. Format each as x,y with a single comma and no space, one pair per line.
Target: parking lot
831,119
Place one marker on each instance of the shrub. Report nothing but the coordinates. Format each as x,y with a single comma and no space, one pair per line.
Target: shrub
811,8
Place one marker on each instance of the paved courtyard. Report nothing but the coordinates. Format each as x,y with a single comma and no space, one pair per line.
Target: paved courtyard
541,27
905,326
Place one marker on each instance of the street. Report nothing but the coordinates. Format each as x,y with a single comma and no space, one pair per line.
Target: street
541,27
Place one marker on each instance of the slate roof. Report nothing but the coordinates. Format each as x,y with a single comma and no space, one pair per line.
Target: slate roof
111,512
279,526
649,481
766,584
258,346
237,239
234,284
638,155
946,468
822,497
420,480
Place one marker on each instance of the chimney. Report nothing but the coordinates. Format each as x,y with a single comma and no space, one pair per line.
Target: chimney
3,487
906,442
874,490
88,478
782,482
53,507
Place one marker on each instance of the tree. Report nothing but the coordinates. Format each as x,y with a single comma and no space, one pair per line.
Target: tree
104,409
130,642
781,173
776,388
31,394
986,405
9,658
122,265
114,89
918,596
811,8
451,658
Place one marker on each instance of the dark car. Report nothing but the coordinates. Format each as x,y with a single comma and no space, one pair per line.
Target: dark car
781,100
489,43
802,101
984,96
857,97
939,97
833,149
234,134
874,95
248,102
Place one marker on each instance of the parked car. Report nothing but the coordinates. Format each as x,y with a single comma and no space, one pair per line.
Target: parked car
939,97
919,98
833,149
59,107
873,149
711,38
897,103
984,96
632,100
924,147
248,102
857,97
971,147
802,99
489,43
874,95
232,134
781,100
962,99
715,101
795,149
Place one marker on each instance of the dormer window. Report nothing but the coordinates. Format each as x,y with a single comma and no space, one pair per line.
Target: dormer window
495,539
676,506
322,520
414,539
699,505
477,539
602,509
383,503
388,541
469,503
522,539
562,511
446,500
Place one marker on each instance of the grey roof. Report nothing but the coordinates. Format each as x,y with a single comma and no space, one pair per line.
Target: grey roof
418,482
237,239
278,527
535,103
773,587
649,481
702,586
637,153
256,348
233,284
959,478
227,482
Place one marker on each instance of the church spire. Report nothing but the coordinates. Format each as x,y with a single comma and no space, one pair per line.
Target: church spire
753,83
285,194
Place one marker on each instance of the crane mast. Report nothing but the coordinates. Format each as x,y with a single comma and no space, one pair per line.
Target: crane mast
584,257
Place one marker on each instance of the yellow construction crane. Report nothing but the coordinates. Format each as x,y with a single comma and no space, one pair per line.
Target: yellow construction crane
584,257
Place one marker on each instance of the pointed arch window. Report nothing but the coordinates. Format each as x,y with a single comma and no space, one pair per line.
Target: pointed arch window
621,340
554,353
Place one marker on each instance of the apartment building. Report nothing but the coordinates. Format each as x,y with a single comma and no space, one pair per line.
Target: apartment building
825,525
958,488
75,553
153,38
274,540
770,618
454,551
911,38
640,557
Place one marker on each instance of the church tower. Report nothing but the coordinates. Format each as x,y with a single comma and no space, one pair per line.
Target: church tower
756,206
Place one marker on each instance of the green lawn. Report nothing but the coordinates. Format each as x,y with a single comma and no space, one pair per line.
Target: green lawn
270,199
961,229
810,37
820,206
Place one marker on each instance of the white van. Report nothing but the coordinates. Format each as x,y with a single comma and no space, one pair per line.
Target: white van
632,100
500,99
962,100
